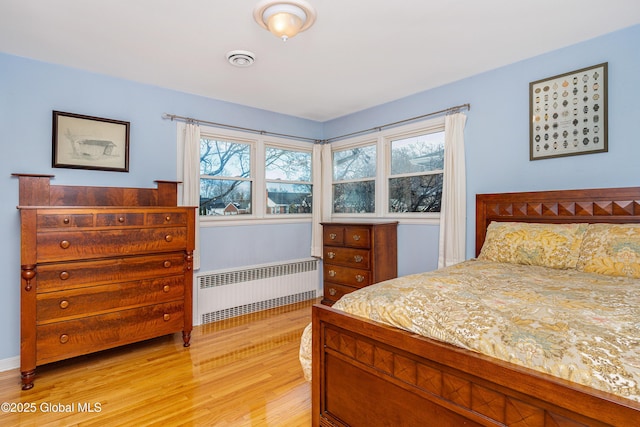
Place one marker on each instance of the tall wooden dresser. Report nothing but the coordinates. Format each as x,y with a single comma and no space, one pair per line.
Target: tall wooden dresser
356,255
101,267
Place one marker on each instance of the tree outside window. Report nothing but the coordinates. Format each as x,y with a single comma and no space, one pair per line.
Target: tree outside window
354,172
417,168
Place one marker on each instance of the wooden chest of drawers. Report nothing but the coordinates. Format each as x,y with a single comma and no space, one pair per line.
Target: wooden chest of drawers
98,277
357,255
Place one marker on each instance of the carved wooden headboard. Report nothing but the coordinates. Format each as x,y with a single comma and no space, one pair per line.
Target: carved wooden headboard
613,205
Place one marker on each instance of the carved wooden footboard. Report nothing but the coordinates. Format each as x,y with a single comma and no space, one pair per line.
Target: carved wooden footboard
369,374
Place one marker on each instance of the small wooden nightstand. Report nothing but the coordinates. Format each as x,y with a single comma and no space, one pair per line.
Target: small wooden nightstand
356,255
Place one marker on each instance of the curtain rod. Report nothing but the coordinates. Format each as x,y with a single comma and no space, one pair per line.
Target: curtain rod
457,108
449,110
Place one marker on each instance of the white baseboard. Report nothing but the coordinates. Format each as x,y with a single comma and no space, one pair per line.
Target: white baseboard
10,363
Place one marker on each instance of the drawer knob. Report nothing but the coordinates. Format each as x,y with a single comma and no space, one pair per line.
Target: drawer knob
332,273
64,304
65,244
165,289
168,237
333,236
167,218
359,278
356,237
64,338
66,220
358,258
331,255
332,291
166,317
121,219
166,264
64,275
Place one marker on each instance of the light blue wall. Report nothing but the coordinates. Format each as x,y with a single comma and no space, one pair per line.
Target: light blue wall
497,130
30,90
496,145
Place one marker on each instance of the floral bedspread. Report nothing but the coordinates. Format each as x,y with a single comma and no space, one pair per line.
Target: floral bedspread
578,326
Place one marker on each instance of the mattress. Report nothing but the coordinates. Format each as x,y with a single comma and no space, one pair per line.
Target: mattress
582,327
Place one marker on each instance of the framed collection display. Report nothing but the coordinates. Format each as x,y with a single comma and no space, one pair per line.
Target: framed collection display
85,142
568,114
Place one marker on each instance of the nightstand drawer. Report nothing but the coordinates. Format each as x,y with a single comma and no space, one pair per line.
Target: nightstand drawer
333,292
357,258
347,276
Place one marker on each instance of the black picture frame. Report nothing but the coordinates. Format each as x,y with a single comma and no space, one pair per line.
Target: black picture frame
568,114
87,142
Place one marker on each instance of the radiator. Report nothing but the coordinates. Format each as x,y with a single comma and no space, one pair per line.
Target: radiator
234,292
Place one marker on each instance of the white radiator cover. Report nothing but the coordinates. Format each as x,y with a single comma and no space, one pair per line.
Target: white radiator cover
223,294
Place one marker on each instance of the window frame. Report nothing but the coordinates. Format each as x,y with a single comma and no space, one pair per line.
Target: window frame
383,141
259,144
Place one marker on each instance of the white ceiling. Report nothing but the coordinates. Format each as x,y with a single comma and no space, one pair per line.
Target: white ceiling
359,53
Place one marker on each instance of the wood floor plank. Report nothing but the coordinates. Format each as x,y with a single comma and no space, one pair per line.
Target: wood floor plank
238,372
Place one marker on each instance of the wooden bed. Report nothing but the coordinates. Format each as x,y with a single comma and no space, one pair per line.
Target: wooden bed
369,374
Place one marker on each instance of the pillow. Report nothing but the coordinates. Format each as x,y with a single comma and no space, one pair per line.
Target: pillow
611,249
546,245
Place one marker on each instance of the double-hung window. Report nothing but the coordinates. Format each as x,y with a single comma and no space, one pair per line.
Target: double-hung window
244,177
354,179
417,168
288,181
399,174
226,180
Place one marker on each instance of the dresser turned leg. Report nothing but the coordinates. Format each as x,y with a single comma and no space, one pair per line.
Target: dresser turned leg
27,379
186,337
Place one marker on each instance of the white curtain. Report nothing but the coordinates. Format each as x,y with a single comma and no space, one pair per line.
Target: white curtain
189,174
321,183
453,222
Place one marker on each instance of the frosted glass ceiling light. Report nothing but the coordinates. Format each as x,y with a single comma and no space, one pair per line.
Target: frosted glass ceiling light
284,19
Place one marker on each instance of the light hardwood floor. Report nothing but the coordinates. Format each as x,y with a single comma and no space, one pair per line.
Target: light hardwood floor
238,372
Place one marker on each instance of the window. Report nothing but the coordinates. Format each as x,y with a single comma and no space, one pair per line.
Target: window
398,175
245,178
354,173
417,166
288,181
226,184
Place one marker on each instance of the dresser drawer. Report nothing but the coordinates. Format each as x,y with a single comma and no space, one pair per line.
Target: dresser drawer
56,306
109,219
72,245
167,218
358,258
64,220
70,275
347,276
61,340
333,292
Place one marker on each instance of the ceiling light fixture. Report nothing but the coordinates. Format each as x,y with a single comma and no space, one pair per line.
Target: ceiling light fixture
284,18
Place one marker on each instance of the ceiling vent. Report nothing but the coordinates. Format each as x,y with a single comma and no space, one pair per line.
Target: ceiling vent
241,58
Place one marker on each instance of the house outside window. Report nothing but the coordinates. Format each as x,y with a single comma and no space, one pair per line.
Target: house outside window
244,177
288,181
226,182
